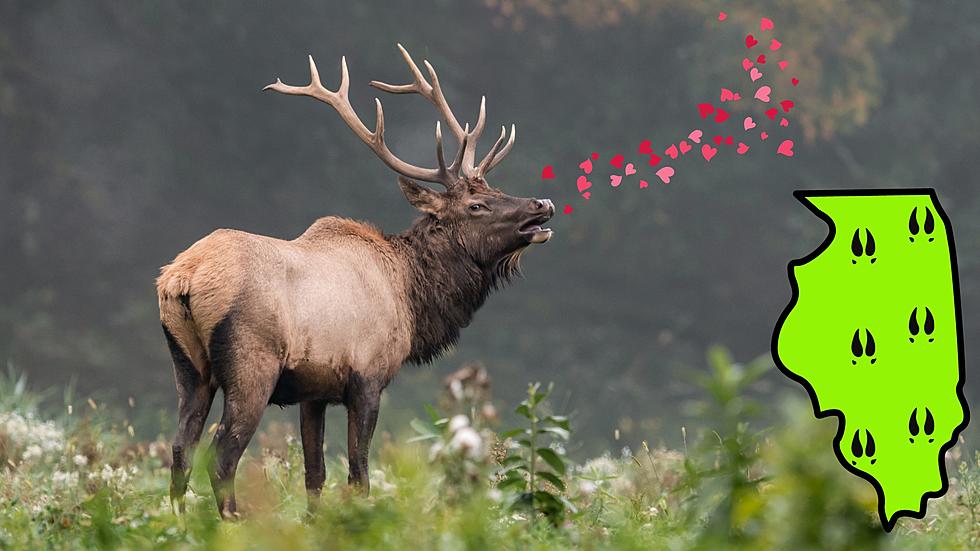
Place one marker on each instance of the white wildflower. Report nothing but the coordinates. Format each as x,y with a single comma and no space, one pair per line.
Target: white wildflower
458,422
32,452
468,441
65,479
587,487
80,460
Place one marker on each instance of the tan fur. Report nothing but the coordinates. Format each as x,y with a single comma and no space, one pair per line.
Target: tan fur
333,297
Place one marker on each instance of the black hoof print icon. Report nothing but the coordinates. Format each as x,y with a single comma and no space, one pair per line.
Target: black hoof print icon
867,249
867,451
867,350
928,325
928,225
928,425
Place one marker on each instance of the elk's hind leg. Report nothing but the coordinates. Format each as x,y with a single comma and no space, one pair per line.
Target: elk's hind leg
363,400
311,427
195,393
247,371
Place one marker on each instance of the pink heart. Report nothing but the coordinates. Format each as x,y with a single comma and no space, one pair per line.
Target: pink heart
783,64
775,45
784,122
586,166
748,124
762,94
587,195
764,136
643,184
742,148
708,152
583,184
765,24
755,74
786,148
722,16
685,147
695,136
568,209
615,180
671,151
747,63
630,169
665,173
726,95
737,97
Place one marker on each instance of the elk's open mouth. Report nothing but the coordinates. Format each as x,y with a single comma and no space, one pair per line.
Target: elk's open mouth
534,232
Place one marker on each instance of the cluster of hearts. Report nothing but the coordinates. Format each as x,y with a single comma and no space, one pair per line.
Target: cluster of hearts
718,114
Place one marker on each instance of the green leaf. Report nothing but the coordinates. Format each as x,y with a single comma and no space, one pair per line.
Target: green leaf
433,414
553,479
423,428
551,458
557,431
512,483
524,410
511,460
559,421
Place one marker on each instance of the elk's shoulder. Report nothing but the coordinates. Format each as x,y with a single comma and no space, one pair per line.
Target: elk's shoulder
332,228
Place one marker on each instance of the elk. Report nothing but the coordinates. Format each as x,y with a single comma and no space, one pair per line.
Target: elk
331,316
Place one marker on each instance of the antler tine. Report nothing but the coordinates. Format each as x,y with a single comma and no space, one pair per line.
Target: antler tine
469,155
499,156
440,154
375,140
485,163
458,161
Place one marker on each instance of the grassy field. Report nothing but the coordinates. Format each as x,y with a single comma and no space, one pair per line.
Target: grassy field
81,479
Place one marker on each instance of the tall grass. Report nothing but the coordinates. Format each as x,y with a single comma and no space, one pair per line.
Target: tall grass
82,480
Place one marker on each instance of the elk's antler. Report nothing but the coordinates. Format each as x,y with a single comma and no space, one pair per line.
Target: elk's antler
340,101
467,140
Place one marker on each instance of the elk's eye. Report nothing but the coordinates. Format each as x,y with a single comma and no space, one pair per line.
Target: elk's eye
476,207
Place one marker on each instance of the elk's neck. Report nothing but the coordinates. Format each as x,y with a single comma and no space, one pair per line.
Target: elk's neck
445,288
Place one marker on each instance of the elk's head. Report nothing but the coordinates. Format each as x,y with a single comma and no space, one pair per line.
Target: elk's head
490,225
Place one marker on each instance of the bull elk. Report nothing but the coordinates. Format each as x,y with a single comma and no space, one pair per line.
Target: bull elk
331,316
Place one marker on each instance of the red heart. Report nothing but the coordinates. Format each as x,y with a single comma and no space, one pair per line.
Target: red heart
617,161
722,16
646,148
729,140
718,140
795,81
761,59
750,41
771,113
595,156
643,184
685,147
708,152
721,116
786,104
654,159
786,148
548,173
671,151
705,109
568,209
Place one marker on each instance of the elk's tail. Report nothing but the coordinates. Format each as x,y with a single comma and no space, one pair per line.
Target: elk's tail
174,296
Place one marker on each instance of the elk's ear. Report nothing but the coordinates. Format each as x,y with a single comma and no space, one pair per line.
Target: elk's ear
421,197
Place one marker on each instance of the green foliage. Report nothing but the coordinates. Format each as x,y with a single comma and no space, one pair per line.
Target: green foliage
536,466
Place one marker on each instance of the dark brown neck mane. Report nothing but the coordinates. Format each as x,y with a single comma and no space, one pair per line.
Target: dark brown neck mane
446,286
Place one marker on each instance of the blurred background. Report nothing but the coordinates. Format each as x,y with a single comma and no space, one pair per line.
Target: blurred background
130,130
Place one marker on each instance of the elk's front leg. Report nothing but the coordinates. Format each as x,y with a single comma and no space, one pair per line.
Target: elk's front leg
363,402
311,429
